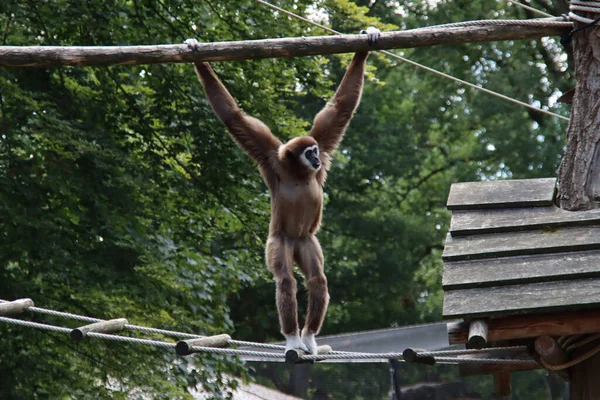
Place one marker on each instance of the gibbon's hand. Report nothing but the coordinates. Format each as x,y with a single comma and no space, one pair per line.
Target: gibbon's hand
192,44
372,34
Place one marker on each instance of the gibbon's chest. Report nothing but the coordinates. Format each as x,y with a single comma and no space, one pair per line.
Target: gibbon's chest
300,198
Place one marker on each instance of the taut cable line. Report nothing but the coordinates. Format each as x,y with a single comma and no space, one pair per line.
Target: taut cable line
434,71
99,330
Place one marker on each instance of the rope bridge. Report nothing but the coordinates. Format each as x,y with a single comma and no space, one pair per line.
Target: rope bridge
104,330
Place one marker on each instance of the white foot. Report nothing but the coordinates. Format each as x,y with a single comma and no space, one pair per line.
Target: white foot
293,342
309,340
192,44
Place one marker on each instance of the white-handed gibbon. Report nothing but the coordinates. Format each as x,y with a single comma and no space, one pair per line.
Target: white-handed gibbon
294,173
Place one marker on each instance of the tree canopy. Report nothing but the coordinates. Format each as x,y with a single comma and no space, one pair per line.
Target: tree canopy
122,195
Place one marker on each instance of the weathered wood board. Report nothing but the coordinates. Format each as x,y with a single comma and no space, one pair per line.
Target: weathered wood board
521,243
502,194
529,326
532,298
520,270
476,222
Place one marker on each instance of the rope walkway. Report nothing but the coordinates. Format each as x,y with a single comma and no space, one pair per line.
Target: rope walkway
441,356
532,22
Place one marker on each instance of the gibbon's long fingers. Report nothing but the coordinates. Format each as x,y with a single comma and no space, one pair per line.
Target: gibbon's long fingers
279,260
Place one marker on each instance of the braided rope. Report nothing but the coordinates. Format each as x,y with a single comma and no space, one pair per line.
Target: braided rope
280,356
585,6
435,71
470,351
552,21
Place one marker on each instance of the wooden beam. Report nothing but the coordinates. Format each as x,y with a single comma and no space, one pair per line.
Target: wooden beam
45,56
530,326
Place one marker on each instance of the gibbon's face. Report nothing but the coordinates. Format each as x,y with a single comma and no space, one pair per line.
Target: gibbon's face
310,157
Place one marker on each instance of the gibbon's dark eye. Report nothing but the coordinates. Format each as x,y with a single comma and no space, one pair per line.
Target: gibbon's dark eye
308,153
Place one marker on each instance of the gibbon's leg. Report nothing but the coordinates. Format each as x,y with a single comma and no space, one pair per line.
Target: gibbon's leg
279,253
309,257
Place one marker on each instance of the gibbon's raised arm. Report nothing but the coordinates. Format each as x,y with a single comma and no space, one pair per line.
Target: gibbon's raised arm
251,134
330,123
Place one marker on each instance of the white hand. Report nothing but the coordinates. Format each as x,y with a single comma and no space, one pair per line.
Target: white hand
192,44
309,340
372,34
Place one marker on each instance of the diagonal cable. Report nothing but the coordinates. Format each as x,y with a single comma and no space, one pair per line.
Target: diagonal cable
416,64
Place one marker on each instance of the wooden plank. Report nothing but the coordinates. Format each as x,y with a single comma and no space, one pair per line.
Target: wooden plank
520,270
514,299
521,243
530,326
502,194
475,222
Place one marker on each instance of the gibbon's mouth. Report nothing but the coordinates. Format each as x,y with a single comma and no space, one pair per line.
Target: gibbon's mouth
316,165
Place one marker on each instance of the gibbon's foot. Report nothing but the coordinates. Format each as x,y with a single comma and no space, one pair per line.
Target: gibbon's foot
293,342
372,34
309,340
192,44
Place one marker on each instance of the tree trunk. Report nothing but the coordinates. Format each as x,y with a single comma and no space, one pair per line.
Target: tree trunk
579,173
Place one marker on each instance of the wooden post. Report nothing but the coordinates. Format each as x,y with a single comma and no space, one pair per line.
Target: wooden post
502,383
15,307
551,353
185,347
292,356
412,356
44,56
478,334
110,326
579,173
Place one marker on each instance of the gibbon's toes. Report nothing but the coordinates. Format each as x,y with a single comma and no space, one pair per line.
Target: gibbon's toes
293,342
309,340
192,44
372,34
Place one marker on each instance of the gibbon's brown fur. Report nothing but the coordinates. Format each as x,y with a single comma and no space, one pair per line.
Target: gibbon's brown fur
294,173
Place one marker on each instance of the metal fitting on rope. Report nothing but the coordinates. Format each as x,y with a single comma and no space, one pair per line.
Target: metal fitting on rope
412,356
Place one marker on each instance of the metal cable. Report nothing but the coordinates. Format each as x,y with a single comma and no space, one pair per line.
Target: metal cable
428,69
585,6
222,351
469,351
534,10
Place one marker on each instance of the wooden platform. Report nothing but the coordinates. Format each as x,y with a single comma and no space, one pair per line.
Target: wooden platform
511,251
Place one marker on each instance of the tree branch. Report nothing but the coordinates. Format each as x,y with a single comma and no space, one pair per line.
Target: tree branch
484,31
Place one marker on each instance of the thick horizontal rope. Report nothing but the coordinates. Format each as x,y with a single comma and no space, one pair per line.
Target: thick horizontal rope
428,69
470,351
551,21
534,10
467,360
237,352
144,329
585,6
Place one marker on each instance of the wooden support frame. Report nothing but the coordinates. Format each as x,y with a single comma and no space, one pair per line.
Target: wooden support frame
530,326
483,31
